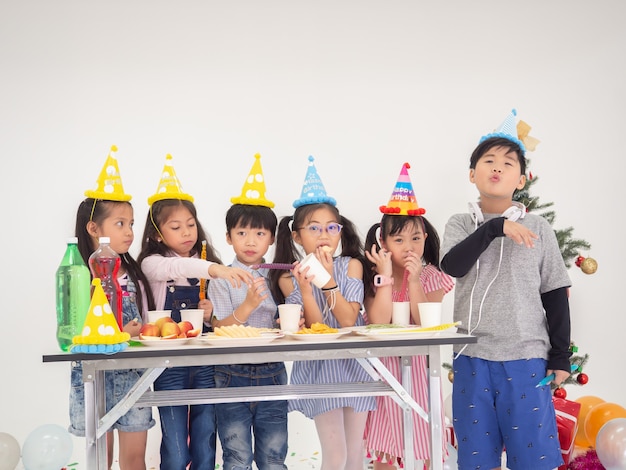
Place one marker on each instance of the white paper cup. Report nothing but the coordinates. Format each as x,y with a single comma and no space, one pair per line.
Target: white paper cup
193,315
401,313
289,315
315,268
430,314
154,315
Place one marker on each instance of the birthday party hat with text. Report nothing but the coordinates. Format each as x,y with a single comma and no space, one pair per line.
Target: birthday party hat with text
403,200
109,185
253,190
313,191
507,130
169,186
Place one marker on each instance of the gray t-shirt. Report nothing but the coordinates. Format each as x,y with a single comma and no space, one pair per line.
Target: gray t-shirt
499,299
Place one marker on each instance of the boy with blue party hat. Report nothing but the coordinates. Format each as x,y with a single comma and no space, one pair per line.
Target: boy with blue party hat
511,292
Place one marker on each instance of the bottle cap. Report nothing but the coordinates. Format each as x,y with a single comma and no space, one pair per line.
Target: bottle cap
72,240
104,239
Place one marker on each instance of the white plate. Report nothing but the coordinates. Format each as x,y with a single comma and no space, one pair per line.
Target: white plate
397,333
212,338
317,336
162,343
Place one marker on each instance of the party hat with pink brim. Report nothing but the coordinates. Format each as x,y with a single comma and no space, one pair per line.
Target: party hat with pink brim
403,200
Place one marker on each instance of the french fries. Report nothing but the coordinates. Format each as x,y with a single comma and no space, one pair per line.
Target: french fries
239,331
317,329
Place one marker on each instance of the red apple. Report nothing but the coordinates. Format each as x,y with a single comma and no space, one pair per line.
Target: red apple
185,326
194,333
149,330
170,330
162,321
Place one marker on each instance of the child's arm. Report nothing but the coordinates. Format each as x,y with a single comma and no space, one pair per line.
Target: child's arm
379,306
255,294
344,311
461,257
235,276
556,305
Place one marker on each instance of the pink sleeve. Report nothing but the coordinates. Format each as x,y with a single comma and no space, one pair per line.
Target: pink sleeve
433,279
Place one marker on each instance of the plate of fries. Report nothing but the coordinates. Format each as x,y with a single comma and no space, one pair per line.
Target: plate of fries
239,335
319,332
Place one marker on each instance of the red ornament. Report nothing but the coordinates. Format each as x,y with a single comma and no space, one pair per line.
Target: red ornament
560,392
579,261
582,379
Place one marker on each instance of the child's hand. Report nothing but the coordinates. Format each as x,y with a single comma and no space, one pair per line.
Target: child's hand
207,306
257,293
559,376
132,328
325,256
304,282
382,260
414,266
519,233
234,275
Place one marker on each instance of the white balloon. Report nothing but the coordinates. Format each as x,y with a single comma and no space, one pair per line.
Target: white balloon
48,447
9,452
611,444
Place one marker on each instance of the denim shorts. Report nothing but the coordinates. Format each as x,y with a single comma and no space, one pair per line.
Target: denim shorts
117,384
496,405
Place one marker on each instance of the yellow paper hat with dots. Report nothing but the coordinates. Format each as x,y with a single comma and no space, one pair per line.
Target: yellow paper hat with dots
169,187
101,333
109,185
253,190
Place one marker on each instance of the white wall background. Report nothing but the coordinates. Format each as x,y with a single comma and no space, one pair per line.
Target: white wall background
361,85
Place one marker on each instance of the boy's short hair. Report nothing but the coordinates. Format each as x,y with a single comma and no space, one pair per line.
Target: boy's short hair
246,215
488,144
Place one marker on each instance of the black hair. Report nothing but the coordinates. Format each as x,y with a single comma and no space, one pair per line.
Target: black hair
492,142
97,210
246,215
285,250
391,225
157,215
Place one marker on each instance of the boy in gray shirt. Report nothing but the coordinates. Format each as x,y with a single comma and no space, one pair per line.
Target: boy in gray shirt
511,292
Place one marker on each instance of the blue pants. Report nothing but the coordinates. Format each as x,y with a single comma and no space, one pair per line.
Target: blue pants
267,420
188,431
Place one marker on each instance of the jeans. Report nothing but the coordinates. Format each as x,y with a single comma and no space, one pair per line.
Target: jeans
189,432
237,423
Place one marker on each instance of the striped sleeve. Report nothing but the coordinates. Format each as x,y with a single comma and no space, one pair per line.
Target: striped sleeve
433,280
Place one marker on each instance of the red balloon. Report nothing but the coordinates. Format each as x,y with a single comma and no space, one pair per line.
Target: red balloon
598,416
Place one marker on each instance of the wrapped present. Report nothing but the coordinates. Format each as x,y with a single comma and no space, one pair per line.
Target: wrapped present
567,424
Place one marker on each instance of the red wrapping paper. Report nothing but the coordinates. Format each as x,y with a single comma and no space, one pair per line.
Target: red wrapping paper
567,424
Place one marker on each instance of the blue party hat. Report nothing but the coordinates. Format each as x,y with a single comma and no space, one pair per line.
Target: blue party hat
507,130
313,191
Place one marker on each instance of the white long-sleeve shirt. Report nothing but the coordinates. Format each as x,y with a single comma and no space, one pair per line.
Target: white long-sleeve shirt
161,269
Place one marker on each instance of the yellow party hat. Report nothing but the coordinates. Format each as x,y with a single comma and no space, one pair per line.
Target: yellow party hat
101,333
169,186
253,190
109,185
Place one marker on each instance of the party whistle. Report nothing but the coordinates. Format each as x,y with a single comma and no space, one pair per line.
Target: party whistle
549,378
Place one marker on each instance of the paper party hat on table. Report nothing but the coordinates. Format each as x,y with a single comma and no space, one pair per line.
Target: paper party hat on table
101,333
253,190
403,200
507,130
313,191
109,184
169,187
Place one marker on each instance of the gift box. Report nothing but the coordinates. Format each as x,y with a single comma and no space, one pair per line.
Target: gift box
567,424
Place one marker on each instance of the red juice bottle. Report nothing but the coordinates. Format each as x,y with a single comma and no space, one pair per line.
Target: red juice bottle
104,263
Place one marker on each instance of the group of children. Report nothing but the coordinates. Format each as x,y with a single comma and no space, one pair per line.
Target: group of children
400,261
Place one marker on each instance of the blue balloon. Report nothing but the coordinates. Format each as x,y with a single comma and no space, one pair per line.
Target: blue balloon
48,447
9,452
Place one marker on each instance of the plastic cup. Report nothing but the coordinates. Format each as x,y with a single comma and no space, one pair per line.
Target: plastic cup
430,314
401,313
289,315
315,268
154,315
193,315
